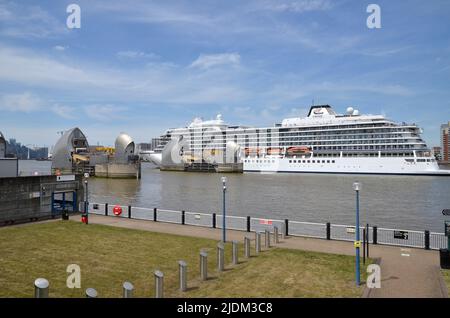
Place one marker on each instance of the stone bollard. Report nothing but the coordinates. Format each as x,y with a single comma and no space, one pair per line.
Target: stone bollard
247,247
159,284
258,243
183,275
235,256
220,257
41,288
128,290
275,235
91,293
267,238
204,265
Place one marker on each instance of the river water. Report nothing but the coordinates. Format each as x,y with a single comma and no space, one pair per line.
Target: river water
404,202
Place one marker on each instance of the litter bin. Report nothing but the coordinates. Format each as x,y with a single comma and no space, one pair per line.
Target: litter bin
445,258
65,214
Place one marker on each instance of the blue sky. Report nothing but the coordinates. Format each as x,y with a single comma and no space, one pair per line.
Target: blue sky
144,66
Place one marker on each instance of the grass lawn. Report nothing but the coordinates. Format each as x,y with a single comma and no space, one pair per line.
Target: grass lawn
108,256
446,274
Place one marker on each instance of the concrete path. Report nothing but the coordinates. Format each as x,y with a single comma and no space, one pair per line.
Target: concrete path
406,272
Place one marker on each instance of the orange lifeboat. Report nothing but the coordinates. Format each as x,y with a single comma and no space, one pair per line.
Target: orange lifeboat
301,150
252,151
274,151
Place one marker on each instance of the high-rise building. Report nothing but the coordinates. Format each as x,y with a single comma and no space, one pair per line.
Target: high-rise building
445,141
437,153
39,153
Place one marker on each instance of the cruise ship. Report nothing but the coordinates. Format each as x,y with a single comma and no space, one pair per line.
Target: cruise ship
322,142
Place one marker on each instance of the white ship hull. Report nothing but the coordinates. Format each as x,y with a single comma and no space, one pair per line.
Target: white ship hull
389,165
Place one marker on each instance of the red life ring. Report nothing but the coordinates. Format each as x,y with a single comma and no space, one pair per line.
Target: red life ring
117,210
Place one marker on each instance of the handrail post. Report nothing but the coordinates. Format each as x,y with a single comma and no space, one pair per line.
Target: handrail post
286,227
364,246
368,239
106,209
248,223
328,231
427,240
183,217
214,220
155,216
129,211
375,235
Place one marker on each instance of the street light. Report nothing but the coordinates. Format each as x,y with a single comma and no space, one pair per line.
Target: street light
357,187
86,203
224,184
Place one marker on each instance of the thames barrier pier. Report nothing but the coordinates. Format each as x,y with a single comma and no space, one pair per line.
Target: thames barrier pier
72,154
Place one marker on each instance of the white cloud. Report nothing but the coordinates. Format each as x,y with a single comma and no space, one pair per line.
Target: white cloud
299,6
159,82
28,103
25,102
25,21
63,111
136,55
59,48
26,67
205,61
103,112
153,12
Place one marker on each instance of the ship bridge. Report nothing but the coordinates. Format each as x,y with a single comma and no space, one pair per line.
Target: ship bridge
325,115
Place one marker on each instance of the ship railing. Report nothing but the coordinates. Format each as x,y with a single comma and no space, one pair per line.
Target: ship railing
339,232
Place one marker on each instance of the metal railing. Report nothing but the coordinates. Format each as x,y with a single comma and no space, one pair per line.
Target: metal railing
375,235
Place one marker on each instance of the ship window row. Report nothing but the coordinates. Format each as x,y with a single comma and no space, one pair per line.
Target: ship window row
305,131
290,161
336,139
204,139
324,146
312,142
312,161
253,134
259,161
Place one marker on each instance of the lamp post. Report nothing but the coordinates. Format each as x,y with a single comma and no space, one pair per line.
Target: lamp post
224,188
86,201
357,188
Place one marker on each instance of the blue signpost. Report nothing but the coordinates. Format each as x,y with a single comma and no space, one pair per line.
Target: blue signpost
357,188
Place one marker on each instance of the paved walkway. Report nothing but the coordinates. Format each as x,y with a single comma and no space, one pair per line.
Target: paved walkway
405,272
